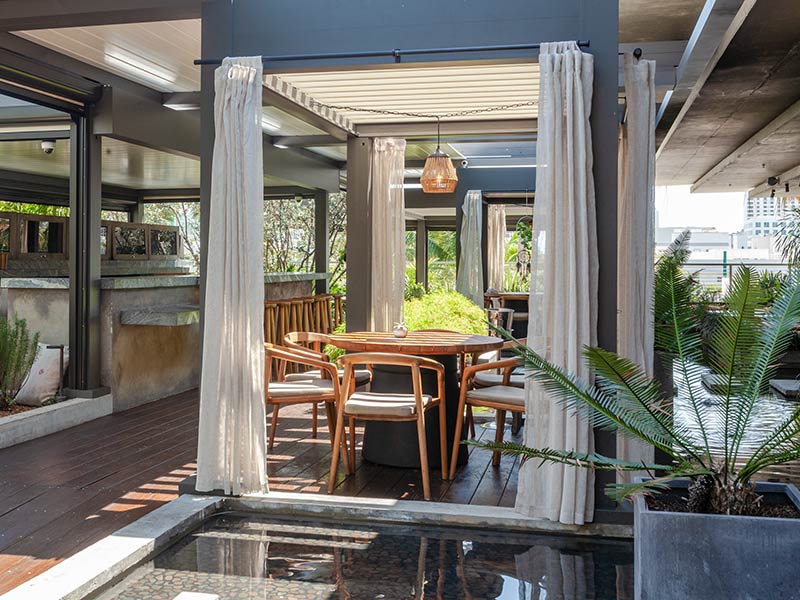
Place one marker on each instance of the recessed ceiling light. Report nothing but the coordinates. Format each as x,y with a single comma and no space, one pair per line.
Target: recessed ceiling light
281,146
139,67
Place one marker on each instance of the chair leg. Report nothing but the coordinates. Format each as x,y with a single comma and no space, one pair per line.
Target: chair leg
274,428
330,414
352,445
498,436
470,422
423,456
337,444
314,419
462,401
516,422
443,438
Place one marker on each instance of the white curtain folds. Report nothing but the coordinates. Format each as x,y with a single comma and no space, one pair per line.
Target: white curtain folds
232,430
496,245
563,282
388,232
469,277
636,233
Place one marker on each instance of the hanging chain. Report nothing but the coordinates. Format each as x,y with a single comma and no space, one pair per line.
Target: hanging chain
402,113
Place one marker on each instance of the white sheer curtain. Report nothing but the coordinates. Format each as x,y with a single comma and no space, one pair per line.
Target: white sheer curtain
496,245
232,431
388,232
469,278
563,281
636,233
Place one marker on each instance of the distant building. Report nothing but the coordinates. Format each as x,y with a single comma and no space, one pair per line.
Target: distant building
703,239
762,219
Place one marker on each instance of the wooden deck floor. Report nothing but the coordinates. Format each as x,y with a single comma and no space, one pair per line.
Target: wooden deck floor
63,492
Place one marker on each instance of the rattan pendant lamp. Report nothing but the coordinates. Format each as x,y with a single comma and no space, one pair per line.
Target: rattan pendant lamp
439,174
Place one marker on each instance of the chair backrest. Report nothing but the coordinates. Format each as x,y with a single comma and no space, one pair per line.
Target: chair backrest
283,356
415,363
307,341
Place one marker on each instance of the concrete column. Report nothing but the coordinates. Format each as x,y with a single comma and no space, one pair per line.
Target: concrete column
321,239
359,235
84,258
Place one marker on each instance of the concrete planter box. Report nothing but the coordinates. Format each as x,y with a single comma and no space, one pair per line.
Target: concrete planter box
45,420
698,557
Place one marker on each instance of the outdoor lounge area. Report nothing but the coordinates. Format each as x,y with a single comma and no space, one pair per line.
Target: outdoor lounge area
399,300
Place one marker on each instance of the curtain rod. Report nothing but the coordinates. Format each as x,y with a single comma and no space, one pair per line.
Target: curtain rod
397,53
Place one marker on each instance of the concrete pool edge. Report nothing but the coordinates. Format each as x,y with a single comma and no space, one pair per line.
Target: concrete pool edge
416,513
102,564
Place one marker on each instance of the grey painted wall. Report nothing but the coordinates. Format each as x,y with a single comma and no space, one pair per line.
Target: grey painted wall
247,27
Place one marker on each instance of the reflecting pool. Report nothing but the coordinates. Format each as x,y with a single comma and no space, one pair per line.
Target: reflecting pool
248,557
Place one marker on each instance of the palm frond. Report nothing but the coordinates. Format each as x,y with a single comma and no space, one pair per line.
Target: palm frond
732,351
788,239
641,398
676,333
567,457
600,407
624,491
776,335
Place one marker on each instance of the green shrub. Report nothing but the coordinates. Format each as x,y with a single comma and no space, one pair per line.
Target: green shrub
17,353
445,310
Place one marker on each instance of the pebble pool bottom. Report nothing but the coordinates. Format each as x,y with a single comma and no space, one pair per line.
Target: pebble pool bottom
239,556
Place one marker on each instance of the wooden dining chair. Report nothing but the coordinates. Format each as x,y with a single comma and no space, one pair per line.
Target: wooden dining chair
369,406
313,344
502,398
281,392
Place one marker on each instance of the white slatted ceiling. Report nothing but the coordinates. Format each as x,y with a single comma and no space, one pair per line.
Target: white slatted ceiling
170,46
425,89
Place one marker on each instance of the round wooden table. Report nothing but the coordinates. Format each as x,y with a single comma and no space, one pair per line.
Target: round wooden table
395,443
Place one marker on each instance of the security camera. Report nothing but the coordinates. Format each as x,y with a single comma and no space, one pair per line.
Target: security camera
48,146
464,163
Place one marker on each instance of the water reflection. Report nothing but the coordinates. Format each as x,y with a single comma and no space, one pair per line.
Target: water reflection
246,557
769,411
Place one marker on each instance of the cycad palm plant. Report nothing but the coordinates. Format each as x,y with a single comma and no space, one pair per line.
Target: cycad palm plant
707,447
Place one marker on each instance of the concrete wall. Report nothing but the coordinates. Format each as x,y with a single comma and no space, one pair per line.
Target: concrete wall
46,312
145,363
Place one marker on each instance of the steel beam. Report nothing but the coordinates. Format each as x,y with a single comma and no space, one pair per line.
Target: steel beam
84,258
16,15
719,22
321,240
359,247
421,258
425,129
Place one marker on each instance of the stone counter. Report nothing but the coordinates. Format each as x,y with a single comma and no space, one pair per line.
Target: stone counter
145,359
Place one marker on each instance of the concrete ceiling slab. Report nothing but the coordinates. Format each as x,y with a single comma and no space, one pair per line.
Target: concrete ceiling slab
755,80
657,20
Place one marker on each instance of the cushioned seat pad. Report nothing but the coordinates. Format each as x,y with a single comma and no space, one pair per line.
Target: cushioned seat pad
498,393
295,389
363,376
490,378
384,405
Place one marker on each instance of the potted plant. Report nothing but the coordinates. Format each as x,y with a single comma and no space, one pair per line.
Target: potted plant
703,527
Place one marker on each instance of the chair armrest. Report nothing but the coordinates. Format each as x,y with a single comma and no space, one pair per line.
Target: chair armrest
507,363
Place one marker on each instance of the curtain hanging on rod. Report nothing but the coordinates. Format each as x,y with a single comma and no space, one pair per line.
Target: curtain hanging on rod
563,300
636,235
496,245
469,277
231,453
388,232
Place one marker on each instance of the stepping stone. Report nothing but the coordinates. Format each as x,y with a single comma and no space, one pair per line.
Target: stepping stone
196,596
786,387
